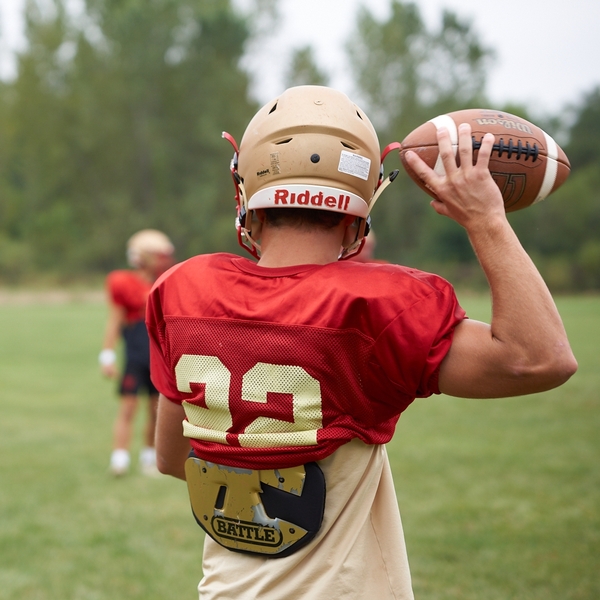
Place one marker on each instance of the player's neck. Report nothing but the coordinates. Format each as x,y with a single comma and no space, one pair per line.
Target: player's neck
288,246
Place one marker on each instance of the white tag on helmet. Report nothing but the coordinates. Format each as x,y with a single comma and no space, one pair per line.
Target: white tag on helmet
354,164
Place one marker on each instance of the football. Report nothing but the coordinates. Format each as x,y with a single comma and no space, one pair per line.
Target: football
526,163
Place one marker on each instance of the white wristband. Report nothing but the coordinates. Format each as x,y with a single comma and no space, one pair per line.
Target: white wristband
107,357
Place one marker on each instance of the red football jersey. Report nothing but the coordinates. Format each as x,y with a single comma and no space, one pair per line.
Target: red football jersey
277,367
130,291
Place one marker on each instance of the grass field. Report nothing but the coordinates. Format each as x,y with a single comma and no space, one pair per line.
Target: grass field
500,499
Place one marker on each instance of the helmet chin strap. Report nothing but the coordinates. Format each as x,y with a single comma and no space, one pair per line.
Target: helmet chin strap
382,187
244,222
364,225
249,229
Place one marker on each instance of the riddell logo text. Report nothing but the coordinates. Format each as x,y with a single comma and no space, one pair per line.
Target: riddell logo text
284,197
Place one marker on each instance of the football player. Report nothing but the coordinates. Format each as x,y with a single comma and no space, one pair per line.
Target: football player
149,253
282,380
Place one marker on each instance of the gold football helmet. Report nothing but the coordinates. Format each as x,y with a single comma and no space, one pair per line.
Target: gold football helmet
310,147
147,242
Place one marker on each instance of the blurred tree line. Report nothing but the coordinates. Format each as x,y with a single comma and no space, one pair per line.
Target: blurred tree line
408,74
114,123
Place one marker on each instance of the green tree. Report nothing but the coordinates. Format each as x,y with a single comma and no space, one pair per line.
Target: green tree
561,233
114,123
584,144
37,168
407,74
304,70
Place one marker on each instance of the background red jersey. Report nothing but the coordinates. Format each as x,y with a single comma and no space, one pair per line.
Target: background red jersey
280,366
130,291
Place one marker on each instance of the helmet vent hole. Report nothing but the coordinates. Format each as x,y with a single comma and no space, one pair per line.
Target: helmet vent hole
287,141
359,115
273,109
346,145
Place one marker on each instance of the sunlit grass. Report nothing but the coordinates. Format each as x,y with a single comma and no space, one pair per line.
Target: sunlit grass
499,498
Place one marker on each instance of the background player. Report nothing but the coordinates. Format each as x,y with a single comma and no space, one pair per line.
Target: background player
150,253
289,375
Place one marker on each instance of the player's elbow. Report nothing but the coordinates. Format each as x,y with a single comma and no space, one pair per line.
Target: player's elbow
172,463
168,466
564,368
550,370
163,465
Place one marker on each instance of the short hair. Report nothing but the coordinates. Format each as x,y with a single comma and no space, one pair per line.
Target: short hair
303,218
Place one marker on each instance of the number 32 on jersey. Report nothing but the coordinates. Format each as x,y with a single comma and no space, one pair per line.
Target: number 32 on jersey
213,422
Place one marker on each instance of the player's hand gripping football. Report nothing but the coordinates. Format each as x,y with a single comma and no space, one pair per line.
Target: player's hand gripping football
465,192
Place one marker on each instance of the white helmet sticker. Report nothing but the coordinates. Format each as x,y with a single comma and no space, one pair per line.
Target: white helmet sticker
354,164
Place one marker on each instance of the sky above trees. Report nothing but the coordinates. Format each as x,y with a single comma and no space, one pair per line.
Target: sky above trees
546,51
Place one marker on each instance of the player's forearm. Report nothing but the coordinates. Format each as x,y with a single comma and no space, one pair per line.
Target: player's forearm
524,316
114,322
110,340
108,357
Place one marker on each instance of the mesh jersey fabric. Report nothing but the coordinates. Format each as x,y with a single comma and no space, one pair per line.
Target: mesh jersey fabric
277,367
